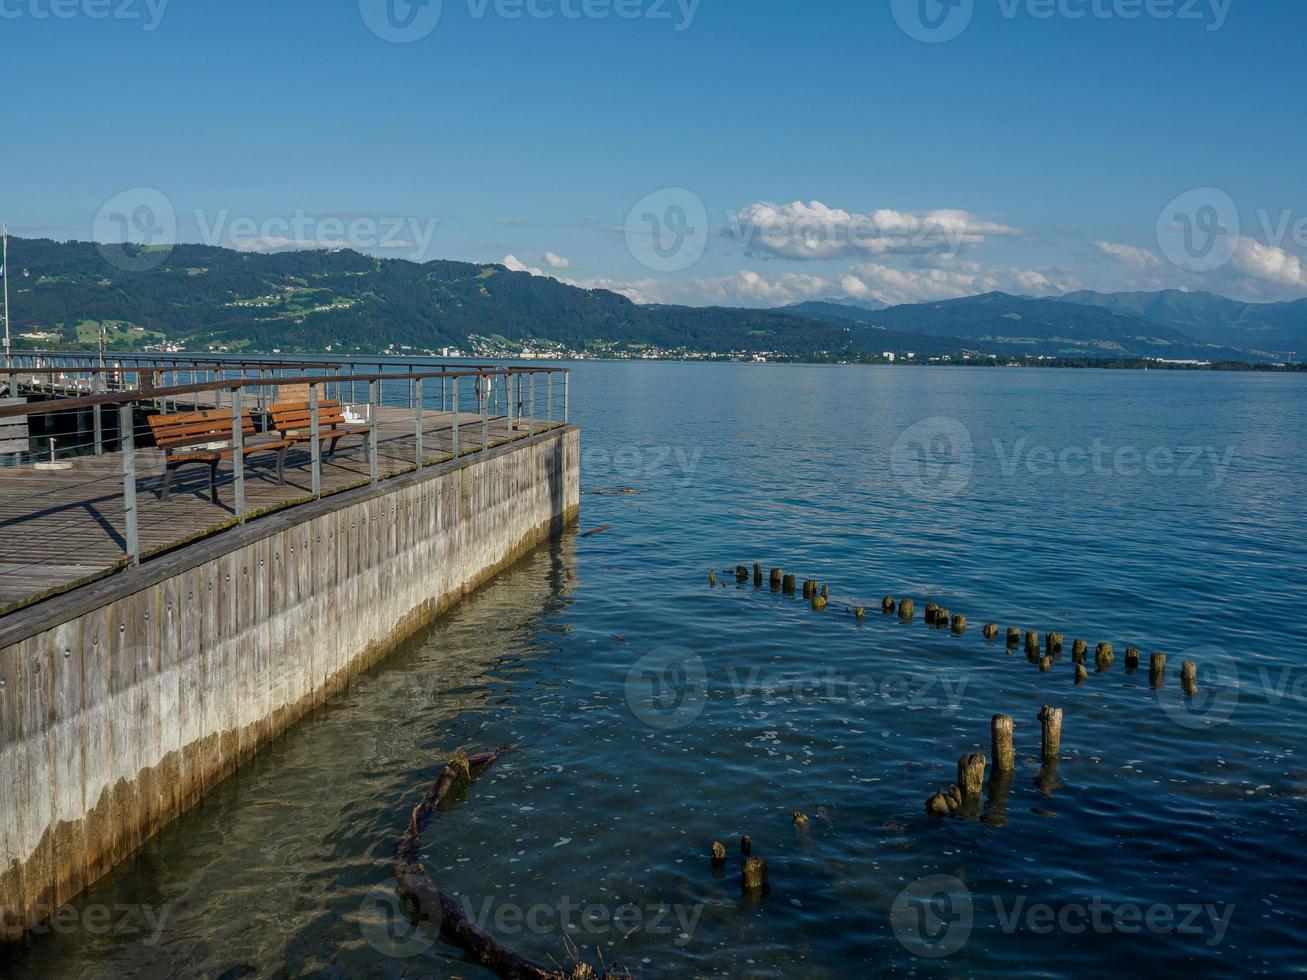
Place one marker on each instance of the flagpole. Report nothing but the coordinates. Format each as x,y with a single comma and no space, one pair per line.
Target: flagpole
4,267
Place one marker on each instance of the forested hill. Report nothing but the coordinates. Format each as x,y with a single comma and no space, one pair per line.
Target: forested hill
312,300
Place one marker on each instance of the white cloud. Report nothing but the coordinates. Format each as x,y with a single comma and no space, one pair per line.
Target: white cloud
274,243
865,281
514,264
1268,263
815,231
1139,257
556,261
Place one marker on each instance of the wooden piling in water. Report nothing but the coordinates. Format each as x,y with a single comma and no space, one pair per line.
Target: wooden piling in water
1082,675
1079,650
1104,657
777,578
959,625
741,573
712,578
788,584
818,602
1045,663
859,612
1032,641
1013,636
938,805
1051,730
1053,644
746,845
1131,660
1000,732
971,776
932,611
906,610
808,588
991,630
754,877
1157,670
825,592
887,605
718,854
1189,677
757,573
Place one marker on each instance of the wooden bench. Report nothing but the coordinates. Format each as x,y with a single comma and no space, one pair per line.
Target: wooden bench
293,422
205,437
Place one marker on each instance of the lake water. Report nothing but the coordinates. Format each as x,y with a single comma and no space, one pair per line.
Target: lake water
655,713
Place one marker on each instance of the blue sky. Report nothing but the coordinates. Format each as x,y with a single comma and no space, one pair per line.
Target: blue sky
832,151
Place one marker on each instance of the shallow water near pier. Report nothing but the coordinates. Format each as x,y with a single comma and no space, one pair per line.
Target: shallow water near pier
653,713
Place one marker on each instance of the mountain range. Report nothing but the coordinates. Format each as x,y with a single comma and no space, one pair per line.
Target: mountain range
206,297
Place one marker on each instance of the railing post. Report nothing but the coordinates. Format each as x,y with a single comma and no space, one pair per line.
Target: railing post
549,397
508,404
374,414
238,447
97,383
315,444
454,386
485,382
531,418
567,390
417,434
127,445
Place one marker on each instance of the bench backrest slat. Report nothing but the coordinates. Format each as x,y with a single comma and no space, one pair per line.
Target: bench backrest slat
178,430
298,416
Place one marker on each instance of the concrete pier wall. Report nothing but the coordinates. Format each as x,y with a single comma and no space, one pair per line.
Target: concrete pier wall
126,700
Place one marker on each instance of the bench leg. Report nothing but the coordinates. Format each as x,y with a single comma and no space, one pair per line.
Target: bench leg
331,449
213,480
281,465
166,490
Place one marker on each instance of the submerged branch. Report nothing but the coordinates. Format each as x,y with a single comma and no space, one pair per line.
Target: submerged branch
416,885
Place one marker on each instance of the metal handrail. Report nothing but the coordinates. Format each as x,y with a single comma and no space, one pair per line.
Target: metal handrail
516,393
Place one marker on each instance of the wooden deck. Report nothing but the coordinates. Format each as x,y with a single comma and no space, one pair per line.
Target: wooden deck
61,529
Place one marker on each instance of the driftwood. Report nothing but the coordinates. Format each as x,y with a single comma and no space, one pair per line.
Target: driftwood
416,885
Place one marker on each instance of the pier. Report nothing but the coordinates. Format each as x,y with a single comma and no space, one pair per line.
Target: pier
152,641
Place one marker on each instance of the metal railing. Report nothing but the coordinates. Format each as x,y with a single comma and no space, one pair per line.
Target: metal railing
90,489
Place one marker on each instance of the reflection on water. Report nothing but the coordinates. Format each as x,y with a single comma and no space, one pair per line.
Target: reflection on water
655,714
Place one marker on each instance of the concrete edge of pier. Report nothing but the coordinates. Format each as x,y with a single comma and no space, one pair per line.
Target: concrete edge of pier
129,698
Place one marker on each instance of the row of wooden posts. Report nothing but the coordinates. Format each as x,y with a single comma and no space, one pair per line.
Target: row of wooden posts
1043,653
